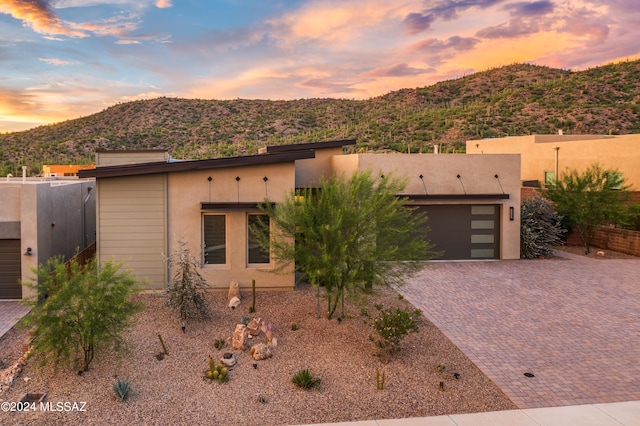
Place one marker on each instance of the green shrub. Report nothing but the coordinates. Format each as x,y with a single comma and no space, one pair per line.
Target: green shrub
305,379
391,326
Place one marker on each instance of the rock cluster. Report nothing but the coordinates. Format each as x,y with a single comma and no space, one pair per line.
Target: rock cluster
8,375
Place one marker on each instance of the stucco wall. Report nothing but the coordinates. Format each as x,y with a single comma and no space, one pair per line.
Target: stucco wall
28,210
440,171
188,190
578,152
311,171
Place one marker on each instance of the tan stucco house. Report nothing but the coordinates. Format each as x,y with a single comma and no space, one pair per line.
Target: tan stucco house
148,203
546,156
41,218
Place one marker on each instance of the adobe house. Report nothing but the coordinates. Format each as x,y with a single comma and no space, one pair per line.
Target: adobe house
546,156
39,219
149,203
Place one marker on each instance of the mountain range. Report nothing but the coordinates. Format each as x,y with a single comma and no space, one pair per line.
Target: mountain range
518,99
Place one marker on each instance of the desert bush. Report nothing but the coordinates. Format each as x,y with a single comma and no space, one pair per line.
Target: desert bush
186,292
391,326
80,308
540,228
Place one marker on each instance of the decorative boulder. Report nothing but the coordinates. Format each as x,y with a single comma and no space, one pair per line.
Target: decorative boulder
234,303
239,337
254,327
600,253
234,290
261,351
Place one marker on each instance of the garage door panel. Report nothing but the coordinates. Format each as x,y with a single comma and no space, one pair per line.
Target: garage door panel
10,269
464,231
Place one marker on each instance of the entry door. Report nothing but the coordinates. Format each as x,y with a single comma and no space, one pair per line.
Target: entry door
10,287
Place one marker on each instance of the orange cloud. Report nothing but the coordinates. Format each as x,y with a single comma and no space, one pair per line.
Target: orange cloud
37,15
162,4
338,21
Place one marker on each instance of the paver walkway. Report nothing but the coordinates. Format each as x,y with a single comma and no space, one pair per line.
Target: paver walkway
10,313
574,322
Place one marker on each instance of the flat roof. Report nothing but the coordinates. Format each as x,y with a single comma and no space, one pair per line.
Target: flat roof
310,145
181,166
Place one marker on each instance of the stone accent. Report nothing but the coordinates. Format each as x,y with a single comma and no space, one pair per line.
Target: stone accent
234,302
260,352
234,290
254,327
239,337
8,375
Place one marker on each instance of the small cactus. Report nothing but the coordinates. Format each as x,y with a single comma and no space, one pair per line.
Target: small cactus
217,372
379,380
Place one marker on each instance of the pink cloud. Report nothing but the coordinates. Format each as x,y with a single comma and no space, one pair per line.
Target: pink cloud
397,70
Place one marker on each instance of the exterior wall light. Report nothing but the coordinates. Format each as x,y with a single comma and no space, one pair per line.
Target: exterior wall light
28,252
512,213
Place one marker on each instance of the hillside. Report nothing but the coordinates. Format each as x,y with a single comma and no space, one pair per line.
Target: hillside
518,99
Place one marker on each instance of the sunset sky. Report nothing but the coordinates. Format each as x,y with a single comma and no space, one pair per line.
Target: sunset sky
63,59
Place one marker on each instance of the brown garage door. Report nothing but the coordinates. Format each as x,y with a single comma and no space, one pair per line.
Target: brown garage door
10,287
464,231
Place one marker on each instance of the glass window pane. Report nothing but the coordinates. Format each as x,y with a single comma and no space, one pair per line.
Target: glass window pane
549,179
481,238
255,253
482,210
482,253
215,239
482,224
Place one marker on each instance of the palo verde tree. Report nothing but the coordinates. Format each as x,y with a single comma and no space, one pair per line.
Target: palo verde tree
590,199
347,236
79,308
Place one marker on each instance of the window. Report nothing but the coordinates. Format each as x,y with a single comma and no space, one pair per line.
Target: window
549,179
614,180
255,253
214,250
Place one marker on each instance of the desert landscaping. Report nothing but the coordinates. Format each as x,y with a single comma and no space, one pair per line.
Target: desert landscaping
428,376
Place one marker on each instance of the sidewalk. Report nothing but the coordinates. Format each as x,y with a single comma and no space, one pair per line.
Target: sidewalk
612,414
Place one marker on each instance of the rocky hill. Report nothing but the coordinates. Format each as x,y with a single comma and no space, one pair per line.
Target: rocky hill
517,99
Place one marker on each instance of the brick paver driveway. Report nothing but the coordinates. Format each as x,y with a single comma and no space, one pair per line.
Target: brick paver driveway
572,321
10,314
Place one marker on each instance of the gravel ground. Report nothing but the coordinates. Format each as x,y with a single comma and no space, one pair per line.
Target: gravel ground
174,390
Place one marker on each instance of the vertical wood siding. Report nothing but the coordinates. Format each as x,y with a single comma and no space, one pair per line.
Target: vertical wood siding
132,226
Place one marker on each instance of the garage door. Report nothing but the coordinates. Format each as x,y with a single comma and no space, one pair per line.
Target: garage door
463,232
10,287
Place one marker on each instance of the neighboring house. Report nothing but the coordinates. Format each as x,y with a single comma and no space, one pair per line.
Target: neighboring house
147,204
546,157
64,169
41,218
